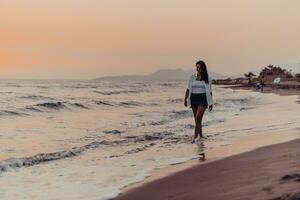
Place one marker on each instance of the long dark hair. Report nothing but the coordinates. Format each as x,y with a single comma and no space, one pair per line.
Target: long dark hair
204,73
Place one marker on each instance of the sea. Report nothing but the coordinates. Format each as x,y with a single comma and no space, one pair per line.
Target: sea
90,139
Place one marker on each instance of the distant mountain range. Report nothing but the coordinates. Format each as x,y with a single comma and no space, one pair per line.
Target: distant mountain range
180,74
163,74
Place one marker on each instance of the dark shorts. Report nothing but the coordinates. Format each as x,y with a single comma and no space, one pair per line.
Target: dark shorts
198,100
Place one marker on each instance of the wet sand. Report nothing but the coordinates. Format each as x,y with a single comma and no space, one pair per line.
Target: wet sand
271,172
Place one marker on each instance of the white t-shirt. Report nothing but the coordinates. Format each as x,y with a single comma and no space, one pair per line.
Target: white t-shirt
198,87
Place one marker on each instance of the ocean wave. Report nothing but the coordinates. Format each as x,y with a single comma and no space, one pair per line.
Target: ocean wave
121,104
130,103
52,105
158,123
239,101
79,86
42,87
213,121
181,114
148,140
13,85
30,108
14,163
165,137
103,103
168,84
60,105
55,106
167,117
6,92
178,100
36,97
134,150
113,132
151,136
117,92
10,113
79,105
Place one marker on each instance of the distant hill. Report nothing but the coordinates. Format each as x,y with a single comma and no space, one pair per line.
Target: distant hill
163,74
169,74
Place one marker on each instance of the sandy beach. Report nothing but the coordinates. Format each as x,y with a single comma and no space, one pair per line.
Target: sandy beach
271,171
283,89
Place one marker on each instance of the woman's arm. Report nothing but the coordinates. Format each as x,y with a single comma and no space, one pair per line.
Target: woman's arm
187,92
186,96
211,106
210,87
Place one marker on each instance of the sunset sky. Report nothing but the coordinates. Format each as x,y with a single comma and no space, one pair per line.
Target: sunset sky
92,38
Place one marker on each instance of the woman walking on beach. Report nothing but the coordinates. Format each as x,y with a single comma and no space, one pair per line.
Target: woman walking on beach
199,96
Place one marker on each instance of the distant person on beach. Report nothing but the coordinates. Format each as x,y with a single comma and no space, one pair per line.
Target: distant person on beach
199,96
262,83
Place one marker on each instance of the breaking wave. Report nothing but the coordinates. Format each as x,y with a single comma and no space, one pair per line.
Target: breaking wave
117,92
14,163
10,113
52,105
36,97
168,137
47,106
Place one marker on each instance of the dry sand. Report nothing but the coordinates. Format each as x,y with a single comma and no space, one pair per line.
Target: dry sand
271,172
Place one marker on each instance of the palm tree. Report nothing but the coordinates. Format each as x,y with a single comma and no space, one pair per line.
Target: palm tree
274,70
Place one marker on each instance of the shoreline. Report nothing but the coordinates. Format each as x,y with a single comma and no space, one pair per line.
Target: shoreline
240,146
245,144
264,167
284,90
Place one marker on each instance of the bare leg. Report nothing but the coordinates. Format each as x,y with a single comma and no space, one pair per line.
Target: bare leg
199,116
195,113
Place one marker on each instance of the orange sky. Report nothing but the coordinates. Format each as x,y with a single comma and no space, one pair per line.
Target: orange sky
87,39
